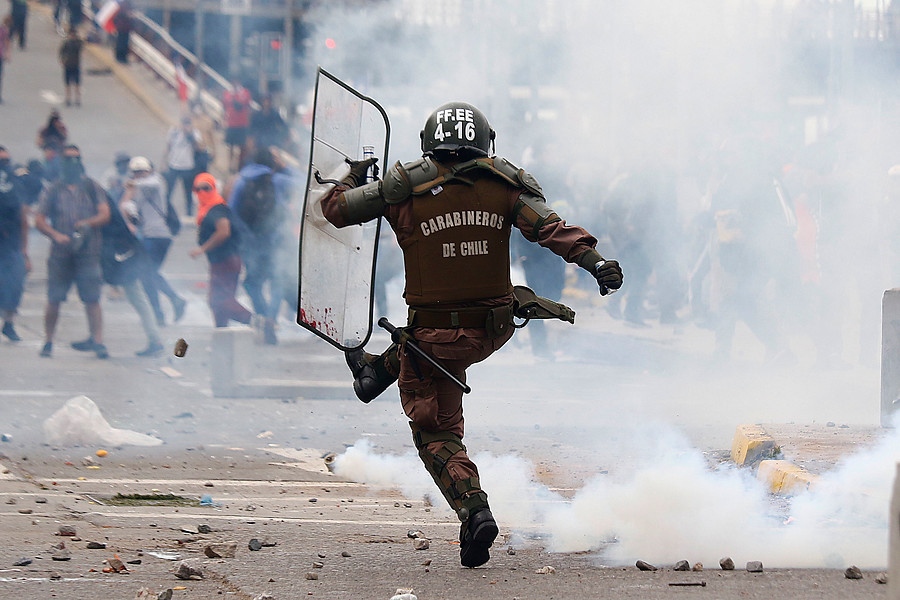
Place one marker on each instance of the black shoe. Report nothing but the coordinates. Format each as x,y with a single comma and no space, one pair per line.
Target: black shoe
10,332
178,304
475,538
356,360
153,349
85,345
100,349
47,350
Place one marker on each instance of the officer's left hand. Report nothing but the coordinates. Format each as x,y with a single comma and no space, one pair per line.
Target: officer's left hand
609,276
358,170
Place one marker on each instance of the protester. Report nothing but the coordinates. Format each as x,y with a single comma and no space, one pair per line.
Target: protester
14,263
70,57
181,143
218,239
54,134
205,154
51,165
115,177
124,23
19,14
5,26
145,197
123,259
236,102
267,128
260,198
70,213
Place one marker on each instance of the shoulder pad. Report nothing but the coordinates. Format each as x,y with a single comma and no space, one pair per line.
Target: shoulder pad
403,180
520,177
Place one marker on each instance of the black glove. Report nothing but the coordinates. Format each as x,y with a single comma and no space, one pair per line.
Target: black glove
609,276
358,170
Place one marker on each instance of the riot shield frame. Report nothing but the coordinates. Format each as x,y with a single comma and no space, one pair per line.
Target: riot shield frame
311,176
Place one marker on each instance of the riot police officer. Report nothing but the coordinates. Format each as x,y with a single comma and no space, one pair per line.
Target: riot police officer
452,212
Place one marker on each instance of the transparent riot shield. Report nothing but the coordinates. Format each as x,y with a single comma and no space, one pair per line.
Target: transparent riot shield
337,266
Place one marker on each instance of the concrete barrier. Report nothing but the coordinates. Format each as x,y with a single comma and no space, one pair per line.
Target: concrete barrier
231,352
752,444
894,542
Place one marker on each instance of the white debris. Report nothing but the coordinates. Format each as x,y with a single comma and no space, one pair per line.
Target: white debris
79,422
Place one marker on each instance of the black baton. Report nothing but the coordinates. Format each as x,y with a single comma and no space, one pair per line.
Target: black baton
399,337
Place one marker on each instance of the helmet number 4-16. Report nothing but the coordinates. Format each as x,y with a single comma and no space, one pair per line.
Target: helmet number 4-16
461,128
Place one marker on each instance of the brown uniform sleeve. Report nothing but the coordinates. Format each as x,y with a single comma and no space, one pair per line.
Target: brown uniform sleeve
570,242
331,206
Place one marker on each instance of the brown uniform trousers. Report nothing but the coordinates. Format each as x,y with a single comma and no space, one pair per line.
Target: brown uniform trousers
434,406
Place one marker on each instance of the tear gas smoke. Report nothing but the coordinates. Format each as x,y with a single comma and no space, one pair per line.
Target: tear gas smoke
674,506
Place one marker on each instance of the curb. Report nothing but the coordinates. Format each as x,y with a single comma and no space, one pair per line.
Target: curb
753,447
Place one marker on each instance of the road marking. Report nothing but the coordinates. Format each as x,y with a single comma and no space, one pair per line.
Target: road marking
35,393
215,482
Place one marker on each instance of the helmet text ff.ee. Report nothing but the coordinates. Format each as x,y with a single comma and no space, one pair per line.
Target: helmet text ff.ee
457,128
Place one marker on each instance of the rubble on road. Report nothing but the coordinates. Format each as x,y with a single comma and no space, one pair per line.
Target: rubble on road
754,566
682,565
312,576
726,563
548,570
188,570
421,543
853,572
221,550
644,566
254,545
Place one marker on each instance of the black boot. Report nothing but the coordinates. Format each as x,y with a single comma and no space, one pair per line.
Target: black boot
370,378
476,535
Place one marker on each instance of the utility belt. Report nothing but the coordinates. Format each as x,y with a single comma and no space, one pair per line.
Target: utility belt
495,320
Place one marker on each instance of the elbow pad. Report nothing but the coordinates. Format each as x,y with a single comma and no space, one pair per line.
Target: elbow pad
361,204
535,211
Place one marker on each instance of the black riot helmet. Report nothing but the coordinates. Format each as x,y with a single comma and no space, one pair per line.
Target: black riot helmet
457,128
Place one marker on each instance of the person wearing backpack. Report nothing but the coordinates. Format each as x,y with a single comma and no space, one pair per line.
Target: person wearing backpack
259,200
145,196
122,260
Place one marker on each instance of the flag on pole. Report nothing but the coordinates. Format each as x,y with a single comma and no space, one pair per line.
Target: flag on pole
181,82
106,15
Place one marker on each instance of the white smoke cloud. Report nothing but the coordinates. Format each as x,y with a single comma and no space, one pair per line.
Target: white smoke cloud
675,507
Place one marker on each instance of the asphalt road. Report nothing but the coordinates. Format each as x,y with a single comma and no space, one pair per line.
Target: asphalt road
612,402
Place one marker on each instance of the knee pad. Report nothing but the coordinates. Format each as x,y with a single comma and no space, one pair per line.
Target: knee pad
464,496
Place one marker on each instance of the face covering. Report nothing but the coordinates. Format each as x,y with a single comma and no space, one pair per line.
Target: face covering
71,169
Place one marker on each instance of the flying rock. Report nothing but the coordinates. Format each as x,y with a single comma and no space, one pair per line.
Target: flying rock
644,566
726,563
181,347
754,566
853,572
